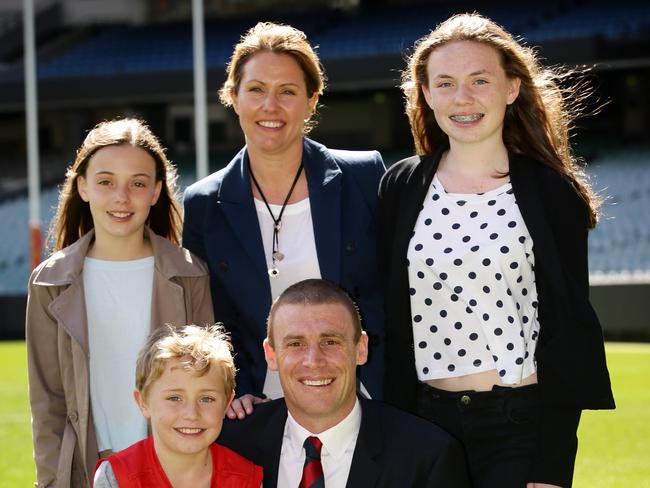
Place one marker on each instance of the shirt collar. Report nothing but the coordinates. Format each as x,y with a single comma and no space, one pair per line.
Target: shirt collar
336,440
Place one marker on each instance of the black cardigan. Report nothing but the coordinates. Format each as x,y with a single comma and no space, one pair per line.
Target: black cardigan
571,368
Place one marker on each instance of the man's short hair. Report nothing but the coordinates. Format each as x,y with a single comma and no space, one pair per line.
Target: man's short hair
200,348
315,292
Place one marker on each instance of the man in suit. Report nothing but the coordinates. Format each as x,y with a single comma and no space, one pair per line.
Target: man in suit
315,342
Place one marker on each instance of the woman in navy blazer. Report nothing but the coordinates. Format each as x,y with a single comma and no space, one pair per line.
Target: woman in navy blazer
235,219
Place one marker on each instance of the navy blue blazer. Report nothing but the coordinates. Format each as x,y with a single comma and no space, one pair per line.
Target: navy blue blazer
394,449
221,227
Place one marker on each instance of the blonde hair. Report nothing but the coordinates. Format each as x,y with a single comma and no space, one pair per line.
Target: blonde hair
200,348
73,218
536,124
279,39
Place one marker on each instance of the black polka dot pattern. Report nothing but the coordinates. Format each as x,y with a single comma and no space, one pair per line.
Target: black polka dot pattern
472,286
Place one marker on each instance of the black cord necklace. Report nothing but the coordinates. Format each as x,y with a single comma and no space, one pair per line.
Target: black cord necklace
276,255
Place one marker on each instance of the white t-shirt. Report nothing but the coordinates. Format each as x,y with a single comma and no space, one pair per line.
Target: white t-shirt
118,308
300,262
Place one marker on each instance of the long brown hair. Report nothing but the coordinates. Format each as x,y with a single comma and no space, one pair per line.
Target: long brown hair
73,218
537,124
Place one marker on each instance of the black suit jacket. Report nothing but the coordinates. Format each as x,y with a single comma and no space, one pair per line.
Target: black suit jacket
570,354
394,449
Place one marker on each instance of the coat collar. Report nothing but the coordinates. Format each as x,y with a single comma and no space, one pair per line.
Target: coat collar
418,181
324,183
366,466
320,168
524,175
65,266
270,444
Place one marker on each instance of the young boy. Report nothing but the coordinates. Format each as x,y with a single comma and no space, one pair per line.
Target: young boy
185,380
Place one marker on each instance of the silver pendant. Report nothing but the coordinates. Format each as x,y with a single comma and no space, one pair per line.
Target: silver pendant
278,256
273,272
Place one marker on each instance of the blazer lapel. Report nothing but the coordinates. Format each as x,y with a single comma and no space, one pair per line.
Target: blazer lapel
529,201
235,199
270,445
69,308
324,183
366,466
411,203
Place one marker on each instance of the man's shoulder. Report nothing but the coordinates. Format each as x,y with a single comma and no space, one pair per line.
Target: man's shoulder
253,424
258,434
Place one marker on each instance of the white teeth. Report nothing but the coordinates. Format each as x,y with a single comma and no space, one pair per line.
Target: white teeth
187,430
120,215
466,118
270,124
323,382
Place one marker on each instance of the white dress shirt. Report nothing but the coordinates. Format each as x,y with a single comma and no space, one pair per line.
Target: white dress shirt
336,454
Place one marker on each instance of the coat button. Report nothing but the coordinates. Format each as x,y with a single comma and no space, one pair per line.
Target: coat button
223,265
351,247
465,400
73,416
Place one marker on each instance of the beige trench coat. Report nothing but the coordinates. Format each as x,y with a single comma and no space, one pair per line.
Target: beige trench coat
65,445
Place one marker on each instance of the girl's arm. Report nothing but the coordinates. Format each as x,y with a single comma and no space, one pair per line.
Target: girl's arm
46,394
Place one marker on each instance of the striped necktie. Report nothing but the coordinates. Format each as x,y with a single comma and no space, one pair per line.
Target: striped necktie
312,471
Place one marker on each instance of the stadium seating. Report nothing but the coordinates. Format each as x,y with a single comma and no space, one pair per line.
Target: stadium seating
620,244
168,47
14,249
610,20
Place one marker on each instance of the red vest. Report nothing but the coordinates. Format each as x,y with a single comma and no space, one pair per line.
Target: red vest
137,466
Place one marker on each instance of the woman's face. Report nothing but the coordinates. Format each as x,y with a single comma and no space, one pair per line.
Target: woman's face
468,91
272,103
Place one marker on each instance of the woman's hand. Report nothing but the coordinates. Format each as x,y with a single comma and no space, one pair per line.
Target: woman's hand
541,485
241,407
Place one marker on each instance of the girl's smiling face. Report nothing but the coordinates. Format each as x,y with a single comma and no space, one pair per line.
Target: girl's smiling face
120,187
468,91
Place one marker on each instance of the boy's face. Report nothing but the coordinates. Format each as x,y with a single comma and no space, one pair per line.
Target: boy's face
186,410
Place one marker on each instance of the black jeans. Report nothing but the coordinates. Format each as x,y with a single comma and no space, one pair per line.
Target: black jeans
498,430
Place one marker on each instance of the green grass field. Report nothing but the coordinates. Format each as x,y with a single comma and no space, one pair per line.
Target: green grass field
614,445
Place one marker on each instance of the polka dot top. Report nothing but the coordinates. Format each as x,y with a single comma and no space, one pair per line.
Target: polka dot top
472,285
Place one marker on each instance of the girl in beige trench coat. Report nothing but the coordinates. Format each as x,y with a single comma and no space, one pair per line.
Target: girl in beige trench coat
117,204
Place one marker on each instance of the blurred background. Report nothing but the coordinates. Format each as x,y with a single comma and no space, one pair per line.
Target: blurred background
99,59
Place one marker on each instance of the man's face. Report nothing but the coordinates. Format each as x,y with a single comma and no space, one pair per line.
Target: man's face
316,357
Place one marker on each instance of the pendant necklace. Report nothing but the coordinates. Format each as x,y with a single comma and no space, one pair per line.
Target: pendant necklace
276,255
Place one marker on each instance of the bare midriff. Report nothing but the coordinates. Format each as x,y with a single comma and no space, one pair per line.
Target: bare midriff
483,381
